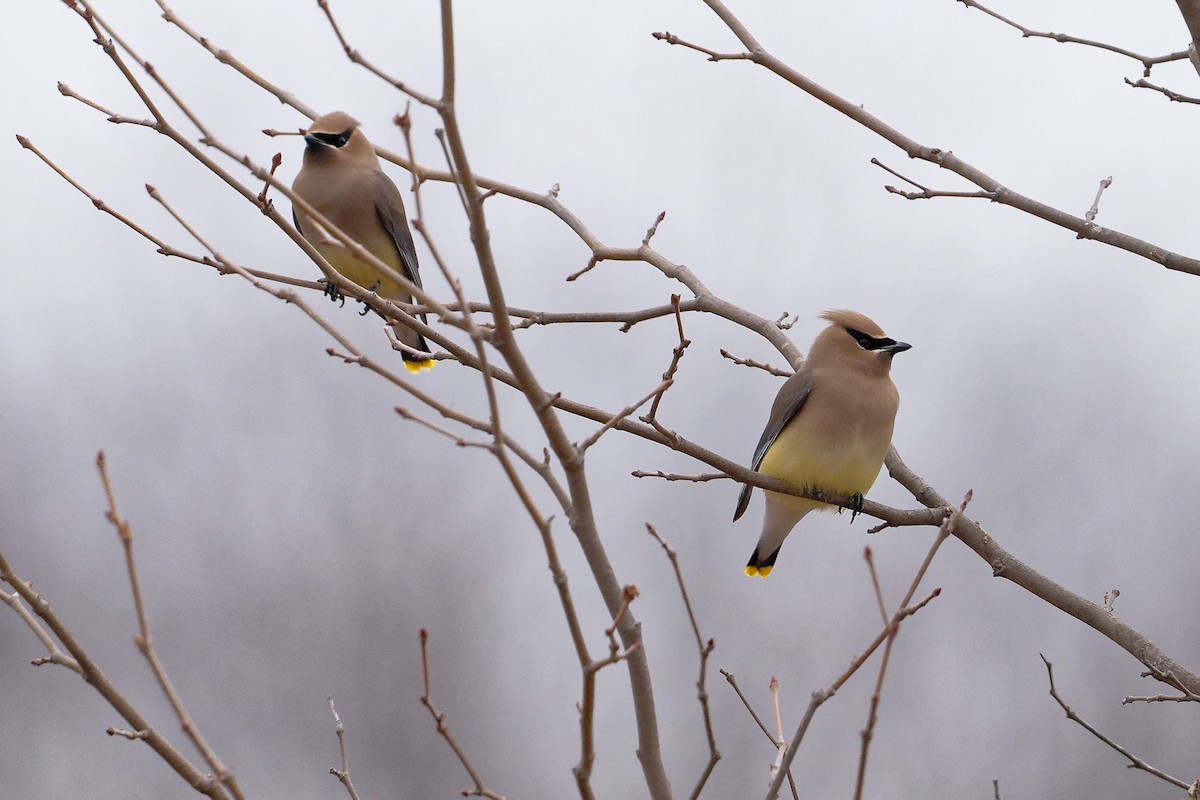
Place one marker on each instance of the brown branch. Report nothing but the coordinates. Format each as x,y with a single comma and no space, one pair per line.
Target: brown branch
676,354
57,656
705,649
358,58
1174,97
145,644
613,421
1161,698
943,532
888,634
926,193
229,60
1007,566
205,784
776,741
1134,761
1147,62
342,774
479,790
820,696
670,476
582,519
587,705
946,159
749,362
501,441
1095,209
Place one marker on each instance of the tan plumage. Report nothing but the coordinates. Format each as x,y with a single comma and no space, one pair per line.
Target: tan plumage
342,179
830,427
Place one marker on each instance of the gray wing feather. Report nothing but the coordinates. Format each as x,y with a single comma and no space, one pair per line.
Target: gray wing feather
390,207
791,398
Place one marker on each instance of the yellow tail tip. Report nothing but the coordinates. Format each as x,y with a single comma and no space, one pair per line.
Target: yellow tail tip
760,572
419,366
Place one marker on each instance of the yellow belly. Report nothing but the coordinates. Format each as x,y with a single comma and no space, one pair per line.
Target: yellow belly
363,273
804,458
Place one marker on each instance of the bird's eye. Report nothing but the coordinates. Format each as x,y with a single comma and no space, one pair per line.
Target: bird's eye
335,139
871,342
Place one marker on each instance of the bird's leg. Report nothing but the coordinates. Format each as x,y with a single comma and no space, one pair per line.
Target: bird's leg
366,308
332,291
856,505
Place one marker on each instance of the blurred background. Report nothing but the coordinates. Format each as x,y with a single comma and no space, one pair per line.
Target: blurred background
294,534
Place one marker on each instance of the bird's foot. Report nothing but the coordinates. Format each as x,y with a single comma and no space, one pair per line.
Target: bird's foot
332,291
856,505
366,308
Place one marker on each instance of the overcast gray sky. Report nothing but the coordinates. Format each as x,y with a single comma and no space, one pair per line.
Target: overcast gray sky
294,534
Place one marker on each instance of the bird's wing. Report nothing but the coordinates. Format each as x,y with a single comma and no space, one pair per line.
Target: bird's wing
791,398
390,208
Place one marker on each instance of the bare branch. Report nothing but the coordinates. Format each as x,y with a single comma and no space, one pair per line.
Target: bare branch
705,650
57,656
946,159
145,643
669,476
587,706
655,394
713,55
1134,761
443,730
1174,97
1095,209
342,774
888,633
1147,61
205,784
926,193
749,362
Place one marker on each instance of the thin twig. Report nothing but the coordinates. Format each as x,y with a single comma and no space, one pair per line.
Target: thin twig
357,57
443,730
926,193
616,419
749,362
205,784
945,158
672,476
57,656
676,354
1147,61
342,774
775,742
1090,216
587,705
1134,761
144,641
1173,96
705,649
888,633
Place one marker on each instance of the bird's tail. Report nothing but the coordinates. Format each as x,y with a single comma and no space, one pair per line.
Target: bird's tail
412,362
782,513
761,567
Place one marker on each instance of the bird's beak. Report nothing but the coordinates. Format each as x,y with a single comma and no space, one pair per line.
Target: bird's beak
313,141
899,347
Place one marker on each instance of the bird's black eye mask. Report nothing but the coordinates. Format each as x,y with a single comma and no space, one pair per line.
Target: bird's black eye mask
334,139
871,342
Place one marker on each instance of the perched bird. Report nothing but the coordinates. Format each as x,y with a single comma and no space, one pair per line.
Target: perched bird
342,179
830,427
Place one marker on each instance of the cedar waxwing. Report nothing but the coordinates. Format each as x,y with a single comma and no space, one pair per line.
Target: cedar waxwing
342,179
830,427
